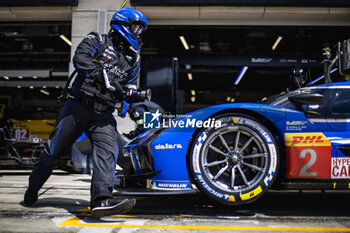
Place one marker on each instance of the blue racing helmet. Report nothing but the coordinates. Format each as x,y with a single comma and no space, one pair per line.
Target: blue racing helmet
130,24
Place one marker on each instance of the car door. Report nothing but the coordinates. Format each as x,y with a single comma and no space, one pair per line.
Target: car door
308,148
338,118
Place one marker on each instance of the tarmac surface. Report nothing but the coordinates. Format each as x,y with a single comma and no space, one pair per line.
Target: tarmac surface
63,206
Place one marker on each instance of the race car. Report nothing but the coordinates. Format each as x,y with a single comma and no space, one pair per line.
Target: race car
234,153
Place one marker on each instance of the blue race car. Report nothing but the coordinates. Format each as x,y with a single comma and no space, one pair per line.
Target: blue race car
234,153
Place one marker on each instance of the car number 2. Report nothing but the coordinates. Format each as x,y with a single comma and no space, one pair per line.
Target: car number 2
304,170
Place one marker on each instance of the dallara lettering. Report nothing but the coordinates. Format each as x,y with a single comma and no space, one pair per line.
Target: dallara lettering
167,146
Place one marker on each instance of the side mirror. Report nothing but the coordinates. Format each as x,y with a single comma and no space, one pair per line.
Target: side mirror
306,98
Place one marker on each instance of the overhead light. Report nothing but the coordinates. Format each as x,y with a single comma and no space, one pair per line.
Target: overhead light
278,40
193,99
31,87
18,86
35,77
44,92
7,77
228,98
233,100
190,77
20,77
240,75
188,66
263,99
184,43
44,87
193,92
57,87
63,37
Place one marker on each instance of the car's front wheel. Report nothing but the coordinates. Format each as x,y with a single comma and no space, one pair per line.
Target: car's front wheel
236,162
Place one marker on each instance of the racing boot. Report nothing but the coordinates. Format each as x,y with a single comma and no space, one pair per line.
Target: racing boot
30,197
110,206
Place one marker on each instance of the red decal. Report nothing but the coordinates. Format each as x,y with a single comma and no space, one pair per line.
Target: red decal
309,162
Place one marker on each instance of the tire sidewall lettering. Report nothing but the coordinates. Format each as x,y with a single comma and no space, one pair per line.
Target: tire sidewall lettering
272,160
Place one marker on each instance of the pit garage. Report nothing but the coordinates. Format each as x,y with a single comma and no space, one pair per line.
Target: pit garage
205,46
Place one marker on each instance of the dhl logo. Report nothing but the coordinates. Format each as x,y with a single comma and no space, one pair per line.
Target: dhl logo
306,139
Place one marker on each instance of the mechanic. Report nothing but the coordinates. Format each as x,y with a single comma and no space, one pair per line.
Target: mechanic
89,108
298,78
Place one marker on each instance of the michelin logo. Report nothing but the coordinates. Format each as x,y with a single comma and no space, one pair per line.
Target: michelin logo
169,185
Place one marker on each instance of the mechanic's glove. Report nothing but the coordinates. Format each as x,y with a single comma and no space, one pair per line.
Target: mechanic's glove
97,72
119,90
135,133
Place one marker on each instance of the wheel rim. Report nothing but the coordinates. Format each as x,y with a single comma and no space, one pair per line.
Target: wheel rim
234,159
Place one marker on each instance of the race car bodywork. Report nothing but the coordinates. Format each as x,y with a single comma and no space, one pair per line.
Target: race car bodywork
235,152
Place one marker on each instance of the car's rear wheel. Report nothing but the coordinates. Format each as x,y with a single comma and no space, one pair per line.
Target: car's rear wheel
236,162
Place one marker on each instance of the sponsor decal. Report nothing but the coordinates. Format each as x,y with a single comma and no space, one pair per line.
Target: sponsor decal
296,122
209,189
245,121
261,60
306,139
340,168
295,128
110,52
113,69
107,56
295,125
168,185
251,194
304,61
168,146
308,155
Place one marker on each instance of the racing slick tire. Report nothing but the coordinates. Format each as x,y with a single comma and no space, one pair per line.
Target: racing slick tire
235,163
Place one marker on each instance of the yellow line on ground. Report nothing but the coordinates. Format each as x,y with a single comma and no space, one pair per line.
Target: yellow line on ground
75,221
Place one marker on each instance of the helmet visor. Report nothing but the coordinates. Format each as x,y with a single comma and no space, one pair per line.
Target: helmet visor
137,28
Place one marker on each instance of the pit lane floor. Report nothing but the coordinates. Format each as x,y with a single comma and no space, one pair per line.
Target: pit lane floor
64,200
